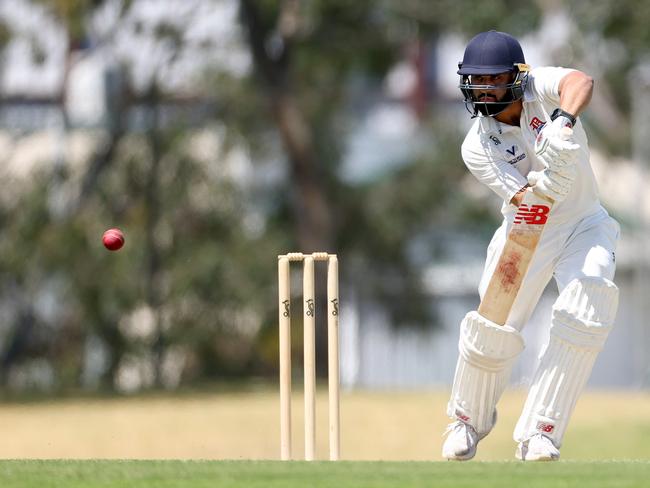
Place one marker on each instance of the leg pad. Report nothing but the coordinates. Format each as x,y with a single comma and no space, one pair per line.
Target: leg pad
583,315
487,352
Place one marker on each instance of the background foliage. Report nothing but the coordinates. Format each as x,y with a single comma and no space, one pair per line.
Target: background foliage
192,297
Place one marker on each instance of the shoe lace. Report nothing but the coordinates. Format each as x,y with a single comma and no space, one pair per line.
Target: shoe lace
455,425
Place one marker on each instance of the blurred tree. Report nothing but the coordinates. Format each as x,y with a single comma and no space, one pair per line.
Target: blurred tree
306,54
184,299
623,25
57,192
613,44
192,294
464,16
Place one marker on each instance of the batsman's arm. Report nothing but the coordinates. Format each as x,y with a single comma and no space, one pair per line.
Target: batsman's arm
519,196
575,91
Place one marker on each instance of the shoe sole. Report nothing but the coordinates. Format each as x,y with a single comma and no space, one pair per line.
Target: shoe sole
541,459
459,458
464,457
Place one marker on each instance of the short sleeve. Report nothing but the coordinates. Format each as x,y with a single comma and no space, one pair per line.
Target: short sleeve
546,83
494,172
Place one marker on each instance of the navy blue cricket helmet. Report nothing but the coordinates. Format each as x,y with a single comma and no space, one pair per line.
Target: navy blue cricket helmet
492,53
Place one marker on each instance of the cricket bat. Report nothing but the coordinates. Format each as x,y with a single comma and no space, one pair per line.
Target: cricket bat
517,253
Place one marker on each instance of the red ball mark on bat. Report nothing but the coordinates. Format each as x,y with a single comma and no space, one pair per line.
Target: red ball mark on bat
509,270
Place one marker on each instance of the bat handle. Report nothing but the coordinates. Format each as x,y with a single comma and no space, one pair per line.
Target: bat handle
566,133
539,195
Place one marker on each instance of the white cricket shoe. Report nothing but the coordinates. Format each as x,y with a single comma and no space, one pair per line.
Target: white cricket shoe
461,441
537,448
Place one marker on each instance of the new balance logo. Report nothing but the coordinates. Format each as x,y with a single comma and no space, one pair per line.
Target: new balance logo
544,427
533,215
462,416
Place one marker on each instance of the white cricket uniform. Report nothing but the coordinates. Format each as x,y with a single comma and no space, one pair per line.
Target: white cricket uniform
576,247
579,239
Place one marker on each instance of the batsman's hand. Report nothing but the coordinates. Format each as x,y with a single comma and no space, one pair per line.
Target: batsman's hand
553,184
554,145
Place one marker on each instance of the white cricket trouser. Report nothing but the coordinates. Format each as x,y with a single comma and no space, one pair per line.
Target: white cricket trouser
566,252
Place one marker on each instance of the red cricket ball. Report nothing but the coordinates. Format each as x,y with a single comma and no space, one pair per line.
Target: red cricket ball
113,239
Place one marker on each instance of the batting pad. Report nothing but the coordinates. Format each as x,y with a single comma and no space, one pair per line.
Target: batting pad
487,352
583,315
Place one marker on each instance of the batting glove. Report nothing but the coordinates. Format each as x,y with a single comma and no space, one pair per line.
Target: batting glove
553,184
554,145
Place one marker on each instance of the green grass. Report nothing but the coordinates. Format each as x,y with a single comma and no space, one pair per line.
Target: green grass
251,474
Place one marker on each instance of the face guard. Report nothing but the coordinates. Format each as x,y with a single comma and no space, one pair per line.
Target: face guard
514,91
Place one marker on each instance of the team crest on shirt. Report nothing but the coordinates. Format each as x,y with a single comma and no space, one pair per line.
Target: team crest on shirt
536,124
513,152
517,159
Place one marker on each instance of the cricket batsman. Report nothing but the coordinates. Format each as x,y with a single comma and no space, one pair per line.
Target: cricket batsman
518,144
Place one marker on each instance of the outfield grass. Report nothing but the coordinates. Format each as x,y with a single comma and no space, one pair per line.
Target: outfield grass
251,474
390,426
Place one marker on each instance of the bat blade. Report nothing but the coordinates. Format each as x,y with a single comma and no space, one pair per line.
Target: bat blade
515,258
517,253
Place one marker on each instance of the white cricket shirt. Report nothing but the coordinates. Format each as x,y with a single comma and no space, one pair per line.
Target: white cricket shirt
501,156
